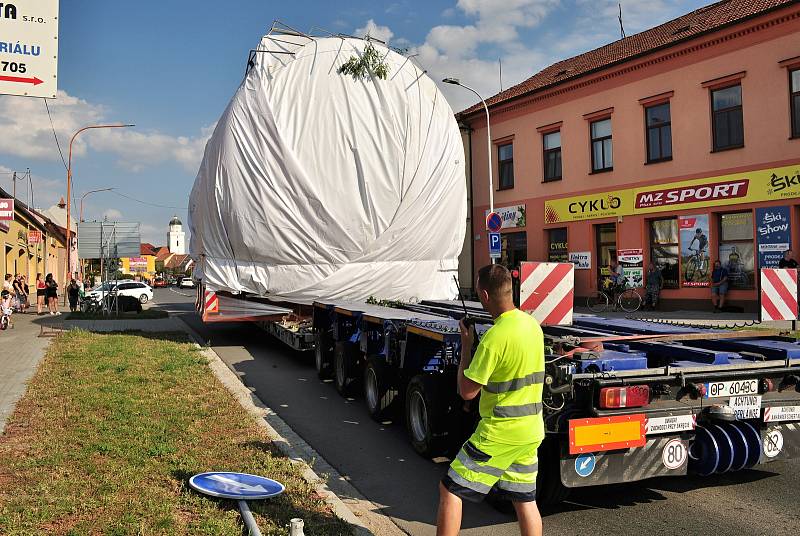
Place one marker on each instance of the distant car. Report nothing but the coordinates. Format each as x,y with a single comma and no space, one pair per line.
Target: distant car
135,289
172,281
159,282
186,282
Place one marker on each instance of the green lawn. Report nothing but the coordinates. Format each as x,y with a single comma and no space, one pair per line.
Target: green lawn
110,430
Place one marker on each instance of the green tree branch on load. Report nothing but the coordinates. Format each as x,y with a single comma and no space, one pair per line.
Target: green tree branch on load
370,63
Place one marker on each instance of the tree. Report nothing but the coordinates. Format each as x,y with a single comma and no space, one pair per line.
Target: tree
369,64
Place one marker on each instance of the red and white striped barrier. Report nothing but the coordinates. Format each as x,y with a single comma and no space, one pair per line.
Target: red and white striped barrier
211,302
547,291
778,294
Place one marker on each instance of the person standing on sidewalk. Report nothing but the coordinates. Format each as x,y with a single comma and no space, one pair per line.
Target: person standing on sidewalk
719,286
41,291
508,372
787,261
73,293
8,284
655,282
51,294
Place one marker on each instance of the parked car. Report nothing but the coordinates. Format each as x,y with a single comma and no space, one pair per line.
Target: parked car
186,282
134,289
159,282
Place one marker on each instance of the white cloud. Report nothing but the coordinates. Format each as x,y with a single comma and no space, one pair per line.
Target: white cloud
382,33
46,192
25,132
112,214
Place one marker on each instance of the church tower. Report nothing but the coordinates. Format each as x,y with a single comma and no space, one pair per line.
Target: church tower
176,238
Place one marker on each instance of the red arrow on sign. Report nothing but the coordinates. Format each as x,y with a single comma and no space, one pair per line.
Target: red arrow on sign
35,81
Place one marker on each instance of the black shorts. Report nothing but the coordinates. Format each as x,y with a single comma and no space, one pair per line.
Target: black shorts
51,293
40,292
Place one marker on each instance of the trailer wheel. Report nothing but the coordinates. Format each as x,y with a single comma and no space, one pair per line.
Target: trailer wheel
323,347
342,367
378,392
426,416
549,489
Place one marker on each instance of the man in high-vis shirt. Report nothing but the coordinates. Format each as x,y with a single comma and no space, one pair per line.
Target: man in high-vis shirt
508,372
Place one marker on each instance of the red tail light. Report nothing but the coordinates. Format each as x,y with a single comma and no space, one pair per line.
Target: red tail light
767,385
632,396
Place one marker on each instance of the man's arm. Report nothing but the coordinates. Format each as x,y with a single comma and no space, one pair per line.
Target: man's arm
467,388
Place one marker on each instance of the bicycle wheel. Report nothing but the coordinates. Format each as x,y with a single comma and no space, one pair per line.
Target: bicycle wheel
630,301
691,268
597,302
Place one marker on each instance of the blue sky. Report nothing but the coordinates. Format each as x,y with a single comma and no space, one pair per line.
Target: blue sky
171,66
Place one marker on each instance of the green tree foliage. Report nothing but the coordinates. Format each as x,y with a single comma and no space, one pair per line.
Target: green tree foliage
369,64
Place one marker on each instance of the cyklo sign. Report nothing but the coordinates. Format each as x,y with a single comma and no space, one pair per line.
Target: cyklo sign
760,185
29,48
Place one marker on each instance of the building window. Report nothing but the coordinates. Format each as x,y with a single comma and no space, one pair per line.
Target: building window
664,249
736,249
794,77
727,122
514,249
557,250
606,235
552,156
659,133
505,156
602,157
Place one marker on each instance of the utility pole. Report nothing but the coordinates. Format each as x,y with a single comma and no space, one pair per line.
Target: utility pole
14,185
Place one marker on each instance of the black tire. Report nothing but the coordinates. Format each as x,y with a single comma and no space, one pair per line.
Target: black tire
343,367
323,351
379,393
426,416
549,488
143,299
630,301
597,302
691,268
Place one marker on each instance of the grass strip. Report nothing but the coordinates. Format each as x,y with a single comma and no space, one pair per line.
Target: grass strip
112,427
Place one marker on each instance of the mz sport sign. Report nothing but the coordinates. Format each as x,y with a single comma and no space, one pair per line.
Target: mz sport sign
29,48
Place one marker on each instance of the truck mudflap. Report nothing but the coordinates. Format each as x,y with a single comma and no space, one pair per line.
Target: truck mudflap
780,442
666,455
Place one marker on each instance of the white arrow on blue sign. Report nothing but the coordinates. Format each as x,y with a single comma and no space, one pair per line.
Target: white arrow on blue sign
238,486
495,245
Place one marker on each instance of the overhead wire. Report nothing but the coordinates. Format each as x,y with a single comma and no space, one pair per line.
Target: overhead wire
53,128
126,196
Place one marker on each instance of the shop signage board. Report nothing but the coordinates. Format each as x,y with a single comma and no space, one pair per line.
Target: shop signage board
581,259
138,264
695,260
513,216
632,269
34,237
630,256
770,184
6,210
773,234
29,48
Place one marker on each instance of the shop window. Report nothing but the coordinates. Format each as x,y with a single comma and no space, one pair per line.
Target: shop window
505,157
552,156
514,249
664,250
557,245
602,154
727,122
659,133
794,80
606,237
736,249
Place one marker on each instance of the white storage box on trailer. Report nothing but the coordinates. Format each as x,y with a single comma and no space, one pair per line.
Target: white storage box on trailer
315,184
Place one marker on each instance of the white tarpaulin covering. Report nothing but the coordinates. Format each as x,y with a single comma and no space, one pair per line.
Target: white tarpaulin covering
317,185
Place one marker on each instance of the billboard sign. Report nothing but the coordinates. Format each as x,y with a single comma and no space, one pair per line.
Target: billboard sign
6,210
34,237
695,257
29,48
773,233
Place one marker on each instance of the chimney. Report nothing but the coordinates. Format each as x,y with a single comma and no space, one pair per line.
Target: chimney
61,203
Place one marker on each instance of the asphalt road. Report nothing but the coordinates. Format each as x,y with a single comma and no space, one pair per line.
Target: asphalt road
380,463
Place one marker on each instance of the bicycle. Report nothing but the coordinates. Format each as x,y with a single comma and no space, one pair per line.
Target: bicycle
627,299
696,264
90,305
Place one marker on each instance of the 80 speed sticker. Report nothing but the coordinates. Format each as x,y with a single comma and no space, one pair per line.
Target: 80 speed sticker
674,454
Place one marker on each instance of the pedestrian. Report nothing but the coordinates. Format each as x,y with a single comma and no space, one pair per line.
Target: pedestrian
19,293
51,294
654,284
8,284
73,294
508,372
41,291
719,286
27,290
6,308
787,261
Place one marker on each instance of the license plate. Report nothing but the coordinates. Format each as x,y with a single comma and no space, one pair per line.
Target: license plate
734,388
746,407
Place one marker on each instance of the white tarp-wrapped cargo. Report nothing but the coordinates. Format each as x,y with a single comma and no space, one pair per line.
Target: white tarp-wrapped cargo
316,185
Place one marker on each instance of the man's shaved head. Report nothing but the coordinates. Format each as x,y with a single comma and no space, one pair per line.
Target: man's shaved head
495,280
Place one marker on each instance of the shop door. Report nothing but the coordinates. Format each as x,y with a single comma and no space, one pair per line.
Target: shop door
606,238
514,249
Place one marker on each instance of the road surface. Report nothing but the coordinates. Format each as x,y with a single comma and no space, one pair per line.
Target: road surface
379,462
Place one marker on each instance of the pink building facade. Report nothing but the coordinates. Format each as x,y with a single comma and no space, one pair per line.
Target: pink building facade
664,148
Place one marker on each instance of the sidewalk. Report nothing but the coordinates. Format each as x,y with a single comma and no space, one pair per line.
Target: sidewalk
23,349
700,318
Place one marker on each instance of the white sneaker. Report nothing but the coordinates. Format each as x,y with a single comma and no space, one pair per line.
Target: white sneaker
52,313
58,312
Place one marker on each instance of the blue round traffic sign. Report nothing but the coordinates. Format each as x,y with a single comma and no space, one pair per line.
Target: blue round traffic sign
238,486
584,465
494,222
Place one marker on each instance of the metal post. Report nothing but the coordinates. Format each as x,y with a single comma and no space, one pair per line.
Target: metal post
248,518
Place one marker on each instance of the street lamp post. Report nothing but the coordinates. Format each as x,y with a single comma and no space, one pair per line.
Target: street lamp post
457,82
80,215
69,187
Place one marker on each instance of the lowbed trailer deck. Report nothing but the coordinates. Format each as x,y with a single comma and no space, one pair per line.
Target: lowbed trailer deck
624,400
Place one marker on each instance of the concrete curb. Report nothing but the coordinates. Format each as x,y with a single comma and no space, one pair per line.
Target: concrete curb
345,500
